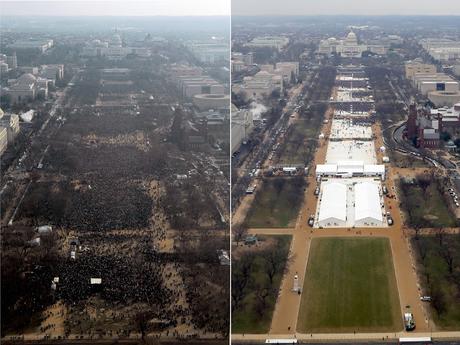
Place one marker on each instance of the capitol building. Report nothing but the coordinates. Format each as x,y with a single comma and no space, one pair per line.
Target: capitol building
347,47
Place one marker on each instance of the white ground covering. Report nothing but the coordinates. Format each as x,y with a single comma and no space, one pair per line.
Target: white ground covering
346,95
348,77
357,114
344,129
351,150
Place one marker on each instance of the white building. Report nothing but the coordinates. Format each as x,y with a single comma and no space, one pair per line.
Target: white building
417,67
211,101
37,45
426,83
276,42
52,72
347,47
3,139
260,85
242,126
11,123
26,88
210,52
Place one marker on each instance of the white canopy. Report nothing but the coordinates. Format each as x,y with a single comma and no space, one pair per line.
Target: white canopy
333,205
367,202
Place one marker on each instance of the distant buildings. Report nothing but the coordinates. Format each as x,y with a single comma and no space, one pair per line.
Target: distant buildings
286,70
26,88
440,88
268,79
347,47
191,86
241,61
3,139
32,45
441,49
192,82
260,85
7,63
275,42
9,129
210,52
242,126
115,73
52,72
112,49
211,101
417,67
424,126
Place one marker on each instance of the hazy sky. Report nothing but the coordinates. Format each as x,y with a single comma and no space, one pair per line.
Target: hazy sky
346,7
116,8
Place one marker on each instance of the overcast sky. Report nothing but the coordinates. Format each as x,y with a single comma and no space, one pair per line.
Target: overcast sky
345,7
116,8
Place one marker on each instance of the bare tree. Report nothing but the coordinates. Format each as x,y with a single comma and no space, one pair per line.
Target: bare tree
142,320
262,293
424,181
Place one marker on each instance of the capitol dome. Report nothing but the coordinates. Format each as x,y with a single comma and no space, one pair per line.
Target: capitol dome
351,36
115,40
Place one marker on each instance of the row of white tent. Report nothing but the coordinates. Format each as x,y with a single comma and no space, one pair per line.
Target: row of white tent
350,169
333,205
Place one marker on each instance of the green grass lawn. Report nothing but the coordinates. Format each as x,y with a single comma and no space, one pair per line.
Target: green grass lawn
426,210
437,281
245,318
350,285
277,203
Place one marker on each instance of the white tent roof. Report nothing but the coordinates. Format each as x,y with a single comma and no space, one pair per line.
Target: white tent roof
326,169
367,201
374,168
333,202
350,167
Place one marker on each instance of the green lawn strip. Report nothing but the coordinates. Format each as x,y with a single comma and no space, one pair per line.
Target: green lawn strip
350,285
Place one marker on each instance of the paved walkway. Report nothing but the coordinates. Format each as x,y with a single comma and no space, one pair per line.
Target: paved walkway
345,336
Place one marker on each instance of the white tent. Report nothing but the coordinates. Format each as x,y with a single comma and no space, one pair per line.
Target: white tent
350,167
368,211
326,170
333,205
375,170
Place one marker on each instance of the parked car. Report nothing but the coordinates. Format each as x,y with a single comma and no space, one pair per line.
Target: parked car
389,220
425,298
